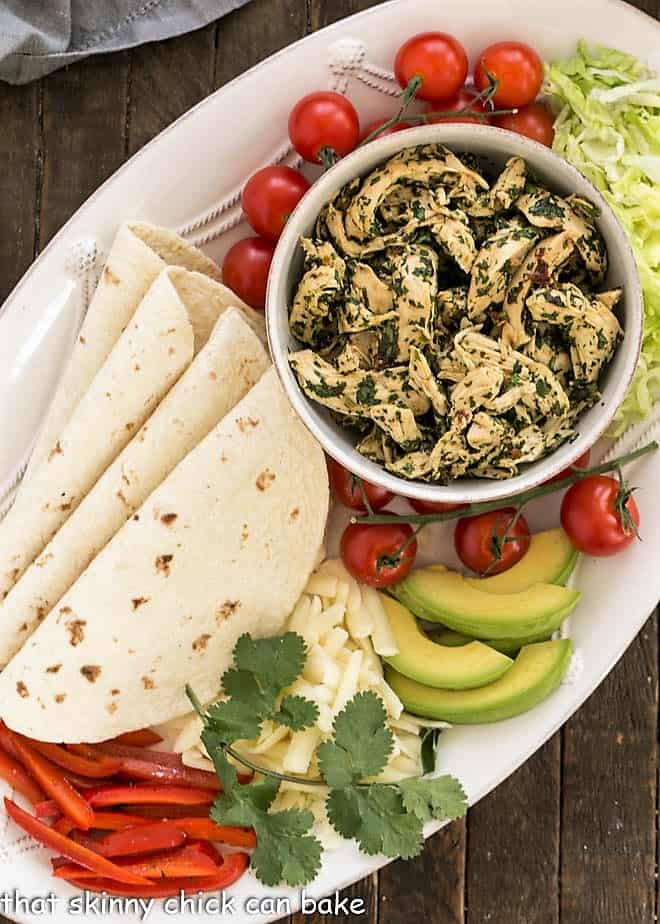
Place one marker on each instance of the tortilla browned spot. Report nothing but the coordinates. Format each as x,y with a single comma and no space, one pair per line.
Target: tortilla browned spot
111,707
122,497
75,630
109,276
115,692
55,451
43,559
245,534
91,672
24,627
59,697
200,643
265,479
53,669
245,422
41,613
226,609
168,518
163,563
22,690
148,683
138,601
295,513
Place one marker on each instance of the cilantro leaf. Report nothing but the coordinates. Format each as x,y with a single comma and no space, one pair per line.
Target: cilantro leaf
226,772
361,745
246,688
277,661
377,818
429,746
442,798
232,720
285,852
297,713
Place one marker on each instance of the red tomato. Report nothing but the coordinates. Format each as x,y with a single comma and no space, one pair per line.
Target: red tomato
439,59
533,121
323,120
589,516
517,69
390,130
345,488
269,197
581,462
462,100
476,540
374,553
422,506
245,269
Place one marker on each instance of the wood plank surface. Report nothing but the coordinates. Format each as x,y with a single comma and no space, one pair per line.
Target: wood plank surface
571,837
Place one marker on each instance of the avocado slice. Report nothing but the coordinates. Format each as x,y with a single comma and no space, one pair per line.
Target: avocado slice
473,665
453,600
450,639
508,646
536,672
550,559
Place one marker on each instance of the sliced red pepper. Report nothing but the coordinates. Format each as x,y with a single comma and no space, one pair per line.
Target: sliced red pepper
166,758
96,769
68,848
7,741
104,796
232,868
170,812
206,830
185,861
143,738
54,783
14,774
145,838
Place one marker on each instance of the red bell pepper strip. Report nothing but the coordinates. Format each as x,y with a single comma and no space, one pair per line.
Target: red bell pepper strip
104,821
185,861
14,774
232,868
96,769
104,796
68,848
54,783
182,776
143,738
170,812
145,838
166,758
204,829
7,741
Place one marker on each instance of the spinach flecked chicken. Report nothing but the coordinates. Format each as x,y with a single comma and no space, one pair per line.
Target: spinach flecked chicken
456,326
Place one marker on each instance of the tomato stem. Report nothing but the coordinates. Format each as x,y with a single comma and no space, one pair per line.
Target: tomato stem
523,498
328,157
624,515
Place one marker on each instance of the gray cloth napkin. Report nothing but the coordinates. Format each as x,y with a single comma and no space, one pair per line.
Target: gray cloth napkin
38,36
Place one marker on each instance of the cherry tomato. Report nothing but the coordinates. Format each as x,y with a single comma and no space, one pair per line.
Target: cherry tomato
439,59
269,197
374,553
390,130
477,538
462,100
517,69
589,516
533,121
245,269
345,488
423,506
581,462
323,120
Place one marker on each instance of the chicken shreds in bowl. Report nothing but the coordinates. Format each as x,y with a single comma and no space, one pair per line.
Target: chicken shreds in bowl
454,319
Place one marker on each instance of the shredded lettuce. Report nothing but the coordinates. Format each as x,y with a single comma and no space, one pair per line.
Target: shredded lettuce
608,126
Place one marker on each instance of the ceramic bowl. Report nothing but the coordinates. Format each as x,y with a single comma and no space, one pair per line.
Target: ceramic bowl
495,146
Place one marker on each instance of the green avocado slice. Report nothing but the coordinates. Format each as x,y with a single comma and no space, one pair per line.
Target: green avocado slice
449,598
535,673
550,559
473,665
508,646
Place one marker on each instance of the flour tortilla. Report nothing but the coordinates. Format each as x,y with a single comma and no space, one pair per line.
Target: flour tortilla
140,252
229,365
223,546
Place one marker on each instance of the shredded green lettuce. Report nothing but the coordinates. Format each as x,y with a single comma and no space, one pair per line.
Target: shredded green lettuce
608,126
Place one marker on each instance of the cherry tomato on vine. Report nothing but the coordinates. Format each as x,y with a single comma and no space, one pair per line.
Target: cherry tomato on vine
581,462
592,512
346,489
533,121
481,543
378,554
269,197
462,100
438,59
517,69
323,120
390,130
424,506
245,269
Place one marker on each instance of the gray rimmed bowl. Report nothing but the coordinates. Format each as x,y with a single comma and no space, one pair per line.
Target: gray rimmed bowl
495,146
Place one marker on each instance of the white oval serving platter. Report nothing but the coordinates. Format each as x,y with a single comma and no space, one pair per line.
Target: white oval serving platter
189,178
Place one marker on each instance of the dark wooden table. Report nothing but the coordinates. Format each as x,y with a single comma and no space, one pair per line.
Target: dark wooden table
572,836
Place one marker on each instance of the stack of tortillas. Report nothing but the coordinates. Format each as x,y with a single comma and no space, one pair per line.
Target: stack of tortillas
172,503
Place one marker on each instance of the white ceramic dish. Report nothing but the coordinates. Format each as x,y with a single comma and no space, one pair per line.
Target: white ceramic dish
494,146
215,147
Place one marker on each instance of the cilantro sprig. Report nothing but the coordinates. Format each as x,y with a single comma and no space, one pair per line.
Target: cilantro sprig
383,818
